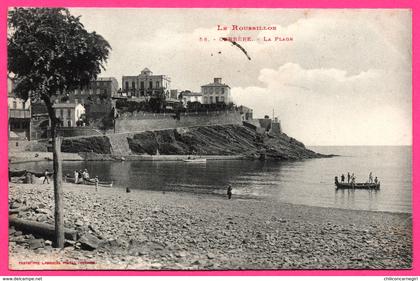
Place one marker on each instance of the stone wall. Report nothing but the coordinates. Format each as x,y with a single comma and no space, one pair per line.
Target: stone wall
78,131
137,123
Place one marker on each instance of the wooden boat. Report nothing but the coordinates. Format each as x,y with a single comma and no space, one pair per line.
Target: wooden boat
20,173
91,182
342,185
195,160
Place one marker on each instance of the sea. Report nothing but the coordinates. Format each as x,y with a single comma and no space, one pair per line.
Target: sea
306,182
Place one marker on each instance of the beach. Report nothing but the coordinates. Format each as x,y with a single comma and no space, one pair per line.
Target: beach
153,230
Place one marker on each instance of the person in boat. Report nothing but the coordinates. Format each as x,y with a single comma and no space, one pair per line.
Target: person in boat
370,177
80,177
343,178
85,175
353,180
348,177
336,179
376,180
46,177
229,191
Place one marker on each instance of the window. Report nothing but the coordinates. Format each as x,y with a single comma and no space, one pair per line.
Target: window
222,99
68,113
217,99
205,100
211,99
142,85
157,84
150,84
69,123
126,85
90,91
61,113
14,105
223,91
98,91
133,85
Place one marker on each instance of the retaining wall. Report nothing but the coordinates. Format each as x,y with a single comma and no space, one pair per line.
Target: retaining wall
157,122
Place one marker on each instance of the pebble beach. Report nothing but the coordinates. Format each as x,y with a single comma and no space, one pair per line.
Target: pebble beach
150,230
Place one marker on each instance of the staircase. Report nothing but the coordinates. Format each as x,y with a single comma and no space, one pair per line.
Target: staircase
119,144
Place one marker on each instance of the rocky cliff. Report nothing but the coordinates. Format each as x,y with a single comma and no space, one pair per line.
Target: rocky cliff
206,140
219,140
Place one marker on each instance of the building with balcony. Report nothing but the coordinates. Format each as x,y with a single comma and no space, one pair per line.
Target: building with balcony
146,84
216,92
19,112
96,98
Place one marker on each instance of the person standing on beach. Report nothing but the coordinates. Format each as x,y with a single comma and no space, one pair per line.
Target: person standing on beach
96,183
46,177
229,191
76,176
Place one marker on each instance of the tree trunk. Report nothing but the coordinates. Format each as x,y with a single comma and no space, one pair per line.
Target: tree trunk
57,177
58,191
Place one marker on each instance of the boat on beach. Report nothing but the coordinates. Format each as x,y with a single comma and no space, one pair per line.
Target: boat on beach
21,173
343,185
90,182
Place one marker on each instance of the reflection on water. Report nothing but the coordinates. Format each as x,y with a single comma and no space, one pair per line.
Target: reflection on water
309,182
349,198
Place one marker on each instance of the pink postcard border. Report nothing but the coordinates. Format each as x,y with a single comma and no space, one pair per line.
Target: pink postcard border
301,4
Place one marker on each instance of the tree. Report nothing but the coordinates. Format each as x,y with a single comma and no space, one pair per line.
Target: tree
49,54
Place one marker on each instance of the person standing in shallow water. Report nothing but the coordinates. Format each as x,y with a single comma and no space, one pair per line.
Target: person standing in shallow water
229,191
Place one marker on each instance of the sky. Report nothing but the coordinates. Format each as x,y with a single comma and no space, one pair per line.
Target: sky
343,79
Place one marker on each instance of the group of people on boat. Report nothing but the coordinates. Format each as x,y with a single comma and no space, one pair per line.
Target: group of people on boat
352,179
83,176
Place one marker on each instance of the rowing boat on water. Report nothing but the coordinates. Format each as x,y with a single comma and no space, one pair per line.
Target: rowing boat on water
342,185
196,160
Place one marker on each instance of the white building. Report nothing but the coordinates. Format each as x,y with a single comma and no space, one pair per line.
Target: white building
68,113
216,92
146,84
188,96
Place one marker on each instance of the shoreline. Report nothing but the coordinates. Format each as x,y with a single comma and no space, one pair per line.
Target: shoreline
69,157
156,230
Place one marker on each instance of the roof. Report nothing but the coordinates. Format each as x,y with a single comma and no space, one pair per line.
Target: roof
65,105
191,94
146,70
215,85
105,79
